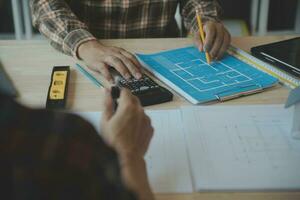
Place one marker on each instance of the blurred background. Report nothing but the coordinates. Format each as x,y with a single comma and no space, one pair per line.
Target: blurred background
241,17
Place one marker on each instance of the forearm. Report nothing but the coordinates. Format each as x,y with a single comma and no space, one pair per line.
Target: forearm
208,9
55,20
134,173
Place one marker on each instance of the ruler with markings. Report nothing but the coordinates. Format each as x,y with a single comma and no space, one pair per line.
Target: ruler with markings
286,79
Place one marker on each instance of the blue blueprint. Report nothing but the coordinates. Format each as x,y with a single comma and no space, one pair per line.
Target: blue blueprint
186,70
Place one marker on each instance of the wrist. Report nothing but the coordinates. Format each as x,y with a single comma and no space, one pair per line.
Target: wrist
134,175
85,48
131,159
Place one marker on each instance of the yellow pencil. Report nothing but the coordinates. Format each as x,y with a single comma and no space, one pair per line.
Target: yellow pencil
202,35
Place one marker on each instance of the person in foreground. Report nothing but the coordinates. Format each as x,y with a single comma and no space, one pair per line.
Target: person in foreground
73,26
54,155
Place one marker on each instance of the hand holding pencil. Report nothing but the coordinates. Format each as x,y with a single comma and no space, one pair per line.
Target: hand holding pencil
202,35
212,37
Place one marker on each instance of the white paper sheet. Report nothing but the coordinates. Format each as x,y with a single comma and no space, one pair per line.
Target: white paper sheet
167,160
242,148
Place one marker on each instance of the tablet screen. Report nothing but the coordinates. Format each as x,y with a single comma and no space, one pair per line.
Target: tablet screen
286,52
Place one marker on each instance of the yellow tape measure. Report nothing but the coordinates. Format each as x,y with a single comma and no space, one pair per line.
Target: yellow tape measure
57,90
57,93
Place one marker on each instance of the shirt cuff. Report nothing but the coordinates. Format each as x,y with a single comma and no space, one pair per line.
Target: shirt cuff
74,39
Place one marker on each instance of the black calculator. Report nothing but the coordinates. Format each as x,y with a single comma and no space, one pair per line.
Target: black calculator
148,92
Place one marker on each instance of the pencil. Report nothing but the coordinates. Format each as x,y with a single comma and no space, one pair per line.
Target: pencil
202,35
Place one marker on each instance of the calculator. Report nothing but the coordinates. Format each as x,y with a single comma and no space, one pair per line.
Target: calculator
148,91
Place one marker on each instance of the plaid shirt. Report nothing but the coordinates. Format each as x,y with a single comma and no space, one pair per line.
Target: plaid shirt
68,23
50,155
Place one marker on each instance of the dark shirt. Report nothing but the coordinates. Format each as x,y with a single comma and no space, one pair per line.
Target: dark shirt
53,155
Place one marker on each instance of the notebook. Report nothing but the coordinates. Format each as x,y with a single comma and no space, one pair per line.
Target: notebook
186,71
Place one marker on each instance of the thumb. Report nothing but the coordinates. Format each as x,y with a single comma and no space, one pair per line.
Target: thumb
108,106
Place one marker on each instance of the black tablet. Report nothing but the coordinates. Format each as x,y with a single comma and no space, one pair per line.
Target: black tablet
285,55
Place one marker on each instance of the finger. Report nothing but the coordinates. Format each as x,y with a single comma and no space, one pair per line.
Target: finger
198,42
103,69
127,100
217,44
225,45
130,66
148,124
210,31
128,55
116,49
145,125
147,134
108,106
115,62
132,58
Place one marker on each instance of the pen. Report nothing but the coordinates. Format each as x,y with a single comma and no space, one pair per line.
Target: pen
115,94
115,91
202,35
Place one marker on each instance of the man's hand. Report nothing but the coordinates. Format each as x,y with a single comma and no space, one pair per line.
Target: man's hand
129,132
129,129
217,40
99,57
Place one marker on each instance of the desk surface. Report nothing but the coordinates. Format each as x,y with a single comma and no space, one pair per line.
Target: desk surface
29,63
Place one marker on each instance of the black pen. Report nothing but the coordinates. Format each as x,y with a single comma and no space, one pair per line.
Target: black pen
115,94
116,89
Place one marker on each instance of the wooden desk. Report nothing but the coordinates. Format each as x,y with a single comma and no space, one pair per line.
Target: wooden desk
30,63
